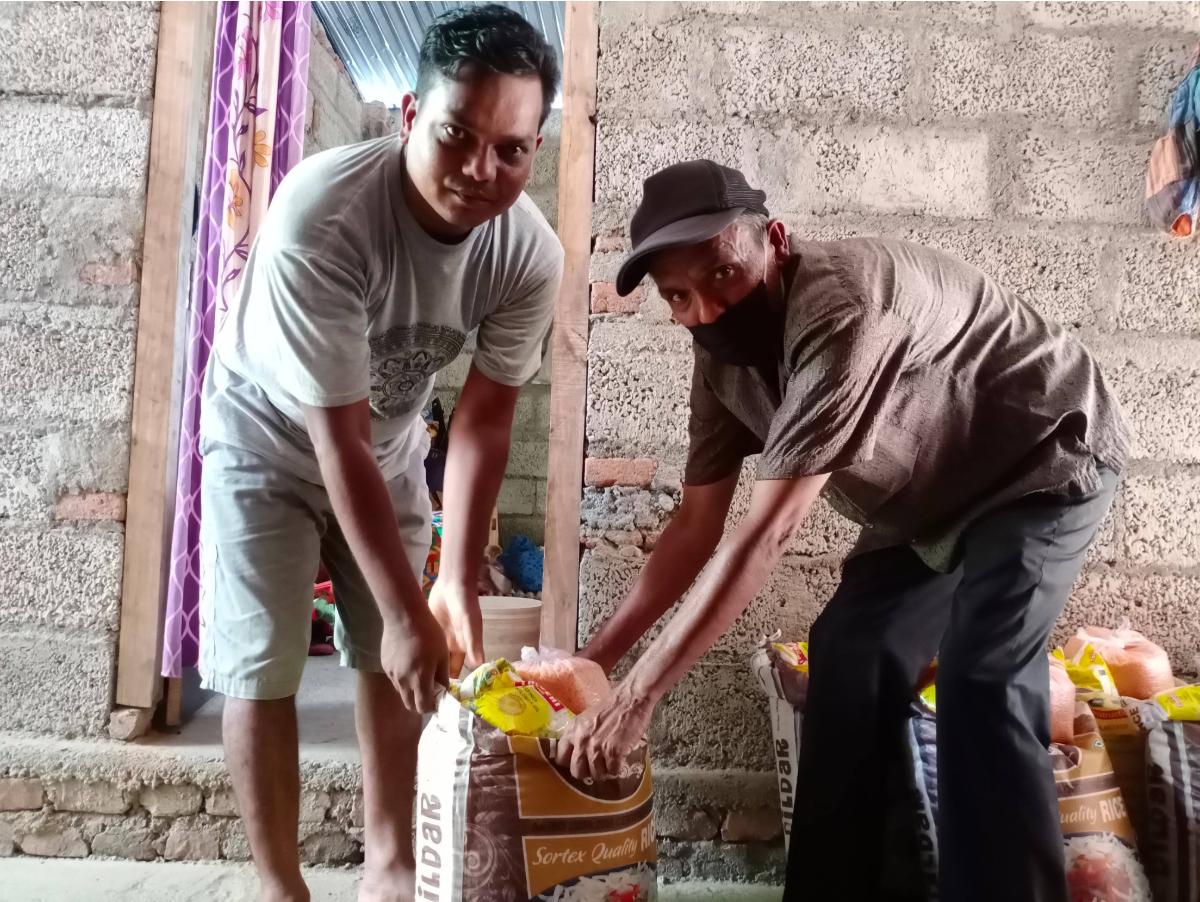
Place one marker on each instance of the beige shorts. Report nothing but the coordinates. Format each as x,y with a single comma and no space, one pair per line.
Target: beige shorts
263,533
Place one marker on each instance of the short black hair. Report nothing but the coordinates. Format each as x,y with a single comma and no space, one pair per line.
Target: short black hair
491,36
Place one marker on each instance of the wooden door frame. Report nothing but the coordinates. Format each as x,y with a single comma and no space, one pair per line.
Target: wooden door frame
568,381
185,42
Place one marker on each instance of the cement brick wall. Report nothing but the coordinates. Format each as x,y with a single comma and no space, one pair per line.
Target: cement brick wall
1013,135
76,91
334,113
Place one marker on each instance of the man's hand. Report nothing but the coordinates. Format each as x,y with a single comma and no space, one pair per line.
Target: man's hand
599,740
414,656
456,609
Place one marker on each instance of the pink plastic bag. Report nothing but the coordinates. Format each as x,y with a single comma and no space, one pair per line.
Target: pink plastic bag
1062,703
576,682
1140,668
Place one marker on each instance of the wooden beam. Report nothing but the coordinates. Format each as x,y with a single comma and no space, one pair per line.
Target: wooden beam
185,40
568,385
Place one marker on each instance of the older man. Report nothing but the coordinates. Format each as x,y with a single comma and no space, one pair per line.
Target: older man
979,448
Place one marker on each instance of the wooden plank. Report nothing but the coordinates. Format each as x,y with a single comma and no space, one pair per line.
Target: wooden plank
173,713
185,37
568,385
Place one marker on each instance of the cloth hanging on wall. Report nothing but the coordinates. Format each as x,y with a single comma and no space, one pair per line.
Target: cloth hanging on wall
255,136
1173,179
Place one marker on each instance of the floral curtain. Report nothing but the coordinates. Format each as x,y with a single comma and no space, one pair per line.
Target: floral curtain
255,135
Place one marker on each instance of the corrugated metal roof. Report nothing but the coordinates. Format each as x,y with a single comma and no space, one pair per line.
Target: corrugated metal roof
380,42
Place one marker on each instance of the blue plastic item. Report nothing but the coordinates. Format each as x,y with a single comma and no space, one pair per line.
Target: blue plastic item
522,562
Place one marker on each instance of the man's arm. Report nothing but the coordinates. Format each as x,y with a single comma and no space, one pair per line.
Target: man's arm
479,443
601,737
681,551
413,650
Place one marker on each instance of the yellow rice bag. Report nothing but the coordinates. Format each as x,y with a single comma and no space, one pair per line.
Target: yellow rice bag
1088,670
793,654
494,692
1180,703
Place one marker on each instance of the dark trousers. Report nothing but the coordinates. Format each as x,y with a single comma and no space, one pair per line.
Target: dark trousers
988,622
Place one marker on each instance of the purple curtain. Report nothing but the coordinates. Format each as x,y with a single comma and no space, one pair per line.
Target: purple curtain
255,135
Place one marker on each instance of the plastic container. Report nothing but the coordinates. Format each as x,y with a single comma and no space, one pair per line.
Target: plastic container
509,624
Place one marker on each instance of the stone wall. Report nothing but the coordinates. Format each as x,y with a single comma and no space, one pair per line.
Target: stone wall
1014,135
76,89
77,799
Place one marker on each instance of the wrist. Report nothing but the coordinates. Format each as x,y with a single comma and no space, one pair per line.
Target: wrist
639,691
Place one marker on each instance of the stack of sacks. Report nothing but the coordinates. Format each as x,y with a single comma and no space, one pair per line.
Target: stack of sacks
1151,727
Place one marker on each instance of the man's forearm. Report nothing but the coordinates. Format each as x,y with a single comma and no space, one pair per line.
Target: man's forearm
678,557
734,576
475,469
363,507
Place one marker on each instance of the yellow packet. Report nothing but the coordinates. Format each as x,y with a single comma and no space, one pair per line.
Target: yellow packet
524,710
1180,703
1088,670
793,654
928,697
495,693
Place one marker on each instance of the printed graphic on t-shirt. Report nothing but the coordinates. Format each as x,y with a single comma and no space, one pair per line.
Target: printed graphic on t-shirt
402,359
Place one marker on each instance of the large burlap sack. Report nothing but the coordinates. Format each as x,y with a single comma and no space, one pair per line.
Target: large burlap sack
497,821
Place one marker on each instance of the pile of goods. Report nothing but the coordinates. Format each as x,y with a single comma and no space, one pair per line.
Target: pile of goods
499,821
1125,748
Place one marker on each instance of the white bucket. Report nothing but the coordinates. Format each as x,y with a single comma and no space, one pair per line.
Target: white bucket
509,624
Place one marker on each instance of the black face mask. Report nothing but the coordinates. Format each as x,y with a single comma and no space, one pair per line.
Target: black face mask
747,334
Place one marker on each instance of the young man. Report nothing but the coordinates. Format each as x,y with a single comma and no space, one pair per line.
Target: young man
978,446
373,264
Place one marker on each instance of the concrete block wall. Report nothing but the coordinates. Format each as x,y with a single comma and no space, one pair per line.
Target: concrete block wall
76,91
334,113
1014,135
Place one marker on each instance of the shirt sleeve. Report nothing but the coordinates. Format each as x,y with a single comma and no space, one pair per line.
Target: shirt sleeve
512,339
843,368
718,441
316,310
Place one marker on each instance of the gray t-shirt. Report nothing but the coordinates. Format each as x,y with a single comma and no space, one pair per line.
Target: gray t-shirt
345,297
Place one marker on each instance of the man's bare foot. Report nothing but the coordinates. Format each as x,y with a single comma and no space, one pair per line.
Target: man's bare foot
395,884
274,891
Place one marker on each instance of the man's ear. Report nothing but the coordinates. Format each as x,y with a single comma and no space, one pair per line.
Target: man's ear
777,236
408,114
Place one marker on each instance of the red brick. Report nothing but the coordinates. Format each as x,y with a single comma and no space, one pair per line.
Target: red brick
606,300
91,506
605,471
123,273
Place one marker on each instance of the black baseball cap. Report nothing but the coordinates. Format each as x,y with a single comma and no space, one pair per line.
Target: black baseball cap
685,204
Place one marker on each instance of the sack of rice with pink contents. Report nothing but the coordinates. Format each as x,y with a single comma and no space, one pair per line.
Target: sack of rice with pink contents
1101,848
499,821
